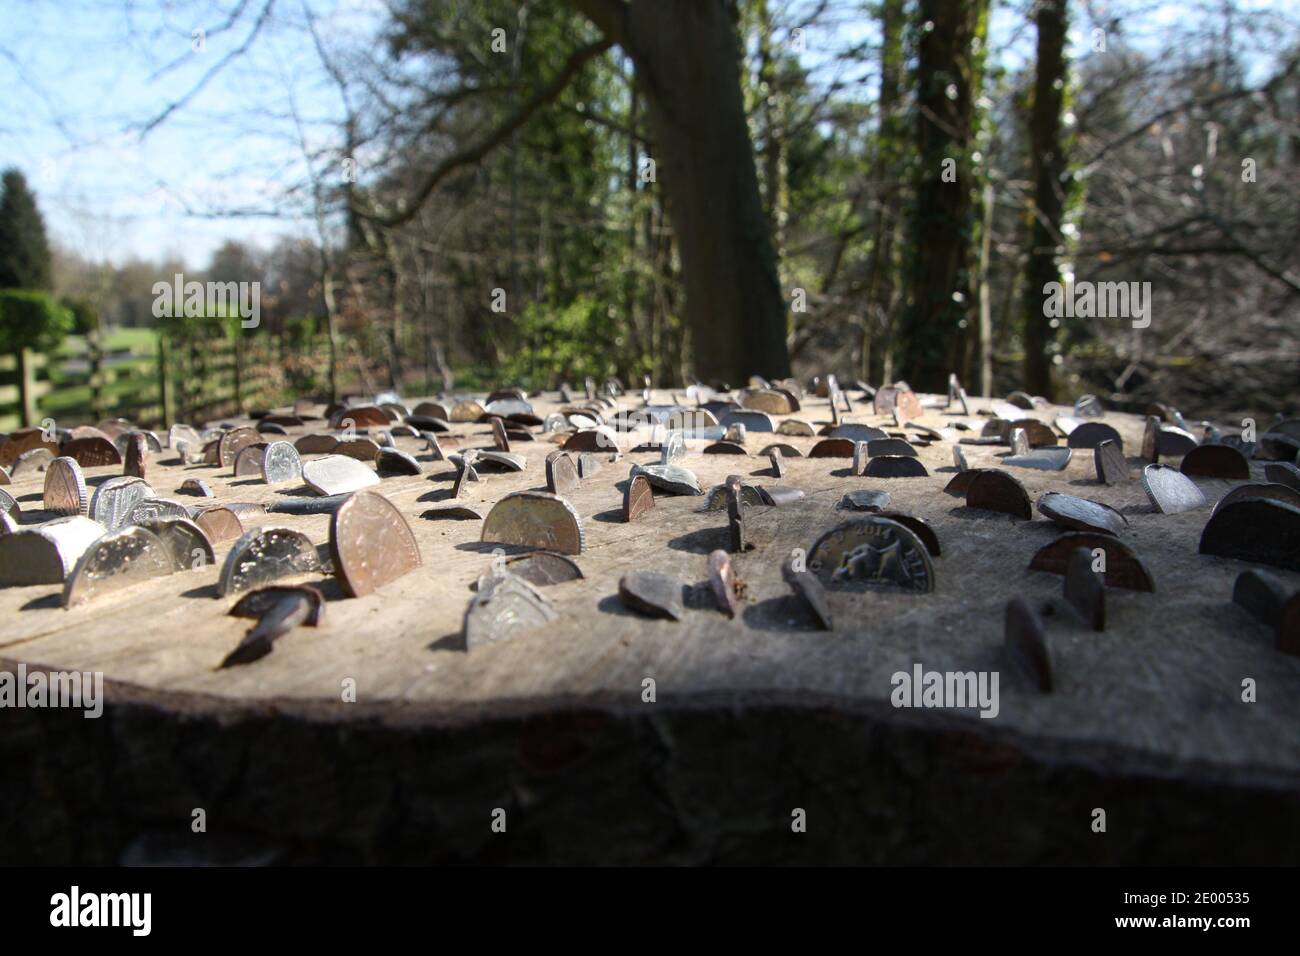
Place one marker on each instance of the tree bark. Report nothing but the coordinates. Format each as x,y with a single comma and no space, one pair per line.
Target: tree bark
949,76
1050,170
687,58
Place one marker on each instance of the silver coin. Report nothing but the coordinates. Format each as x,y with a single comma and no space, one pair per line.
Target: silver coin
46,553
671,478
9,503
152,508
875,551
501,459
503,607
115,561
337,475
265,554
1081,514
280,463
179,433
1170,491
65,488
113,500
185,541
673,449
32,462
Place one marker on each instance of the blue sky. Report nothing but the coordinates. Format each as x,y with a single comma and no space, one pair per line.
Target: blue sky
81,77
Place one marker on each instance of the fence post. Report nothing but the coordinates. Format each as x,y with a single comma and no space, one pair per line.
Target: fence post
239,370
95,360
164,386
27,386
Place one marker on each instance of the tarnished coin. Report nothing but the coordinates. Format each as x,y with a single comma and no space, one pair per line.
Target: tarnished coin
1274,492
796,427
1280,473
770,401
561,476
432,446
1123,568
185,541
1021,400
1092,434
864,501
316,445
393,463
504,606
136,456
183,433
535,519
1108,458
220,524
1084,590
1037,434
117,560
1174,442
895,466
499,461
8,503
280,463
1255,529
466,411
723,582
263,555
1025,644
638,497
1170,491
653,593
32,462
544,568
499,437
919,527
24,440
598,438
92,452
45,553
959,459
1215,461
1274,446
673,479
233,442
753,421
464,463
113,500
832,448
809,589
1081,514
149,508
959,485
871,550
362,449
724,448
337,474
362,416
248,461
1262,594
371,543
452,513
430,410
997,491
65,488
1150,450
751,496
7,523
1088,406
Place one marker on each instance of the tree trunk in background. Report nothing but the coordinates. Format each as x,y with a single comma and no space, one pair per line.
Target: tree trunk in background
1050,169
687,58
949,61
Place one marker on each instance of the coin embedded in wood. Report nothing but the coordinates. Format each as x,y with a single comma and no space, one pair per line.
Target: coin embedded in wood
1215,461
115,561
777,461
1274,446
1282,473
753,421
362,416
499,460
92,452
1084,590
136,457
113,500
1150,448
796,427
278,609
959,459
233,442
371,543
717,497
1123,568
587,465
503,607
895,466
770,401
652,593
1019,442
32,462
337,474
65,488
28,439
8,503
561,475
736,514
673,479
890,446
832,448
959,485
673,448
185,541
393,462
875,551
1043,459
544,568
1255,529
1088,406
723,582
1108,459
280,463
1092,434
263,555
451,512
864,501
997,491
1081,514
149,508
1173,442
316,445
1025,644
809,589
220,524
855,432
598,438
1274,492
1261,594
1170,491
430,410
535,519
638,497
46,553
1021,400
249,460
362,449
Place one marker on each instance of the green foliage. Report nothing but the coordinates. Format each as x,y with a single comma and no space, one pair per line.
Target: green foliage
85,316
24,251
567,344
32,320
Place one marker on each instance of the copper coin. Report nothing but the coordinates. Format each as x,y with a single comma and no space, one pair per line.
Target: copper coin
1215,461
1038,434
1282,473
233,442
219,524
360,416
561,475
1025,644
1108,459
895,466
1255,529
544,568
1092,434
1124,569
431,410
248,461
1273,492
599,438
316,445
65,488
371,543
264,554
918,526
92,452
393,463
638,498
832,448
24,440
362,449
997,491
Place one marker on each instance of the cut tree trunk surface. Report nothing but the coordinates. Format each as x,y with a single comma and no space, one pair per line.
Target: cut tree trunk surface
753,717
